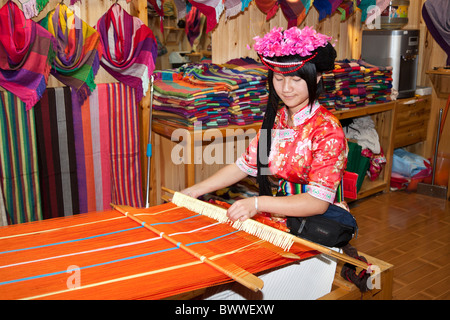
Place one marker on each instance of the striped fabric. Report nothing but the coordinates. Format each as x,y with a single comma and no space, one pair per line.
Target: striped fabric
124,138
56,148
19,175
61,158
287,188
3,219
107,148
91,132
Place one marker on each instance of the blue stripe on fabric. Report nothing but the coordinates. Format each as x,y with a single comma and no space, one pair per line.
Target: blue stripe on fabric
86,267
113,261
96,236
74,240
155,224
213,239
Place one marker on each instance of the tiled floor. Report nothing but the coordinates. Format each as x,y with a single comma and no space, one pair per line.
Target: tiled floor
412,232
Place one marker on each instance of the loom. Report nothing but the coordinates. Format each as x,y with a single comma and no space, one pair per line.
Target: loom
131,253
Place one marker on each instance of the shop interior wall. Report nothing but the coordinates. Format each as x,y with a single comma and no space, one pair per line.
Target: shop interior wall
230,38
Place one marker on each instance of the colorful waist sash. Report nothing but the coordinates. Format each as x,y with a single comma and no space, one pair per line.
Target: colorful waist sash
286,188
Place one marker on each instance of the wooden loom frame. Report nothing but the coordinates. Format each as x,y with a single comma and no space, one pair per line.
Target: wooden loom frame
341,289
250,281
221,216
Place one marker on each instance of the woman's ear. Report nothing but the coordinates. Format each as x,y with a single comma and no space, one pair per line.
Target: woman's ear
319,76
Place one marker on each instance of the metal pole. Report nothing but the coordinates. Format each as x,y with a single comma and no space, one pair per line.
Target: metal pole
149,144
437,146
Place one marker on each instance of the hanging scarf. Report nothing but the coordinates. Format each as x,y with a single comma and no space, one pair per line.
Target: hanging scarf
79,50
32,8
294,11
193,23
26,53
233,7
158,6
130,49
435,13
212,9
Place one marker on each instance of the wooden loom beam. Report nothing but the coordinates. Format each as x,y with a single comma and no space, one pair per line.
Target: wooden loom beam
238,274
304,242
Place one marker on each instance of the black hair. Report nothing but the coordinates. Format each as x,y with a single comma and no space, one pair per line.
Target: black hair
323,61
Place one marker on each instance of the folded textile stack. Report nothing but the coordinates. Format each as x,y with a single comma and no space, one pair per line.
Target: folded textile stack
344,86
214,94
378,82
182,103
356,83
248,104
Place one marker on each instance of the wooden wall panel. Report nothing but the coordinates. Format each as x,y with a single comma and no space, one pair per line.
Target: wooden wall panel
231,36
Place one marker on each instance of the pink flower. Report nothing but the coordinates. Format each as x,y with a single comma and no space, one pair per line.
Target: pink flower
292,41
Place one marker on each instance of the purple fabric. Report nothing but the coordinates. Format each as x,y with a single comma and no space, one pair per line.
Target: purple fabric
436,14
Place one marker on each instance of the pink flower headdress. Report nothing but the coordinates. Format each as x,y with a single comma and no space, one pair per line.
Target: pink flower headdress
293,41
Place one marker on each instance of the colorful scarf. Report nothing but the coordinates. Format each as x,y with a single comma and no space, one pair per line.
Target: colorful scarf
26,54
158,7
212,9
79,50
88,155
193,23
130,49
19,174
294,11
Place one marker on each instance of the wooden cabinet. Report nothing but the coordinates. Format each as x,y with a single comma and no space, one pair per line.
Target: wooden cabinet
412,117
383,116
183,157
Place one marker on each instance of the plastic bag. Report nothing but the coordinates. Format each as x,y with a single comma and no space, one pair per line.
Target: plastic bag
408,164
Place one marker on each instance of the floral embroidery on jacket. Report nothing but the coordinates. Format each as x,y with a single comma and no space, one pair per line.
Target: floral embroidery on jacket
312,152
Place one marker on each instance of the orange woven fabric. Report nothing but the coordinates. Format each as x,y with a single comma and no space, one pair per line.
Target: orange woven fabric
109,256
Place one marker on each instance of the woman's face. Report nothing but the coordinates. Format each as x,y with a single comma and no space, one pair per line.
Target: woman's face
292,90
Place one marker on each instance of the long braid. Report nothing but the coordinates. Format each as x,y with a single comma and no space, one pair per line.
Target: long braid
265,140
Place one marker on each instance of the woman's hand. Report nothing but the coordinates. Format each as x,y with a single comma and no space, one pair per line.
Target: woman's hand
242,209
191,192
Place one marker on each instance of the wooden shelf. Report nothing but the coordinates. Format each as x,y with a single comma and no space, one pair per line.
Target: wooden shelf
228,131
364,111
194,171
172,35
441,81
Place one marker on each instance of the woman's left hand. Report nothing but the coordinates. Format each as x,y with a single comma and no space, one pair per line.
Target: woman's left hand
242,209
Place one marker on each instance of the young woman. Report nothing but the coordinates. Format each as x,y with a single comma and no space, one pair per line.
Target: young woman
300,143
303,146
